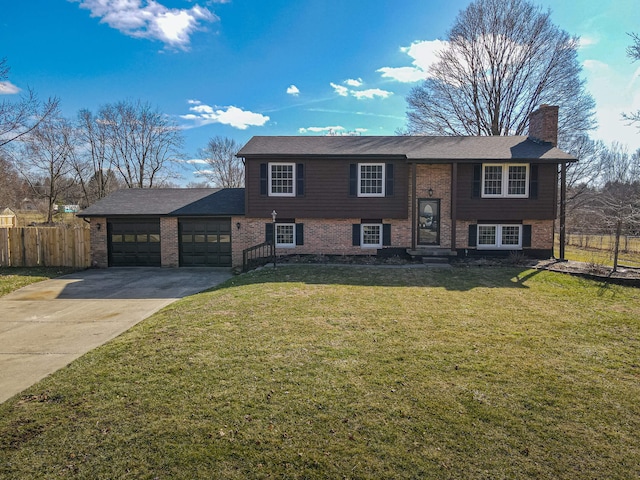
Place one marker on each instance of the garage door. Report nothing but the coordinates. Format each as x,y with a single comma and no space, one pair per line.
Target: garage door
134,243
205,242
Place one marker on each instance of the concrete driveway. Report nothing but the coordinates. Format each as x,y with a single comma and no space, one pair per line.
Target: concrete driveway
48,324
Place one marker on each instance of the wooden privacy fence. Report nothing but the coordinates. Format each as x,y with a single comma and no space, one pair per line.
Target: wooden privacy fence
59,246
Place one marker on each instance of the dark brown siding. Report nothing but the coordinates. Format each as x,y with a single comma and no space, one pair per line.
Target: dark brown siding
326,192
541,208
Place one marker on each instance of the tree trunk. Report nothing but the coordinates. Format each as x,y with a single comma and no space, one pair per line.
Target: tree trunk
616,247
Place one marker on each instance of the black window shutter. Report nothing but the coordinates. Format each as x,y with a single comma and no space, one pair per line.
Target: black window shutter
533,181
473,235
263,178
299,233
353,179
477,180
526,236
389,180
300,179
355,235
386,234
268,232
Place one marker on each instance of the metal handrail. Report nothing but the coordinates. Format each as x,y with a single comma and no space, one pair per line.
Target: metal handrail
257,255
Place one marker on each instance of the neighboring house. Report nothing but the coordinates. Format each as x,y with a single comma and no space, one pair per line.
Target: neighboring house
360,196
8,218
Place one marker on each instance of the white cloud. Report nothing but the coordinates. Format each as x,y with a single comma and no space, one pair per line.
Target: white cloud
335,128
587,42
293,90
340,90
231,115
371,93
353,82
197,161
359,94
8,88
150,19
423,53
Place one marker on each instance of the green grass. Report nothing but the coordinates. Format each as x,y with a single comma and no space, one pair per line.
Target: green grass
13,278
350,372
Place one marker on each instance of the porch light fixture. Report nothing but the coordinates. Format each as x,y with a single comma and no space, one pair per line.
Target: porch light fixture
431,192
99,226
238,225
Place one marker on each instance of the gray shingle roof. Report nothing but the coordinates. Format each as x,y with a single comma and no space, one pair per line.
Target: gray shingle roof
412,148
169,202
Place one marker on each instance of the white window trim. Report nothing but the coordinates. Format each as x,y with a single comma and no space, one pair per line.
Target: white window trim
285,245
498,245
293,179
371,245
384,173
505,180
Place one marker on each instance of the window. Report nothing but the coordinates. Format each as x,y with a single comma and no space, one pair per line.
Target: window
371,179
282,179
505,181
371,235
285,235
500,236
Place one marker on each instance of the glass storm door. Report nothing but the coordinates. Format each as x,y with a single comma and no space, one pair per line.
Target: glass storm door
428,222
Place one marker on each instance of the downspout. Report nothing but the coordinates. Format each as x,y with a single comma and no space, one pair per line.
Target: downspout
563,207
413,206
454,205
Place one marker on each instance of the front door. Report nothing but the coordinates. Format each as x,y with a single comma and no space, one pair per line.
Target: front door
428,221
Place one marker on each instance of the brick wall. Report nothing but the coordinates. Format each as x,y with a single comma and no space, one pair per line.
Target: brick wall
438,179
98,236
541,234
543,124
169,250
321,236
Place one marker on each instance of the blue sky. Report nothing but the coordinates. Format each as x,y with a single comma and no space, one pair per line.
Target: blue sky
239,68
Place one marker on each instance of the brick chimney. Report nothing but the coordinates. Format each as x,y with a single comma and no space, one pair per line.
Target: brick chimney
543,124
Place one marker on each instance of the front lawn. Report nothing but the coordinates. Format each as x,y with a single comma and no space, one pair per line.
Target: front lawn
13,278
351,372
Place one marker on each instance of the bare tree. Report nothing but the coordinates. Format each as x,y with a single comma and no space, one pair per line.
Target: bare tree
47,156
92,159
583,175
503,59
633,52
222,167
142,143
19,118
12,187
615,202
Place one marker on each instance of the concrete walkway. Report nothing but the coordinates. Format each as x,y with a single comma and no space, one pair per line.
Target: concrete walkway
48,324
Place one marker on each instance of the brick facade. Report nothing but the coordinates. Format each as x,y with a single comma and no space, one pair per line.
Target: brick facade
436,178
98,239
541,234
321,236
169,248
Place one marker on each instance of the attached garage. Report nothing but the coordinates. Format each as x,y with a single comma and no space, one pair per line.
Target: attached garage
168,227
134,242
205,242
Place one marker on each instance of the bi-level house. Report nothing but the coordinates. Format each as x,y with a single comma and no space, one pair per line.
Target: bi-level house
422,195
350,196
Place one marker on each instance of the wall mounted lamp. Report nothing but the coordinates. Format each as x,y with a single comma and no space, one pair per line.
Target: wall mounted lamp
99,226
431,192
238,225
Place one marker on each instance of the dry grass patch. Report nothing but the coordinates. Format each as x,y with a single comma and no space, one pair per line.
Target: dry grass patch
350,372
13,278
